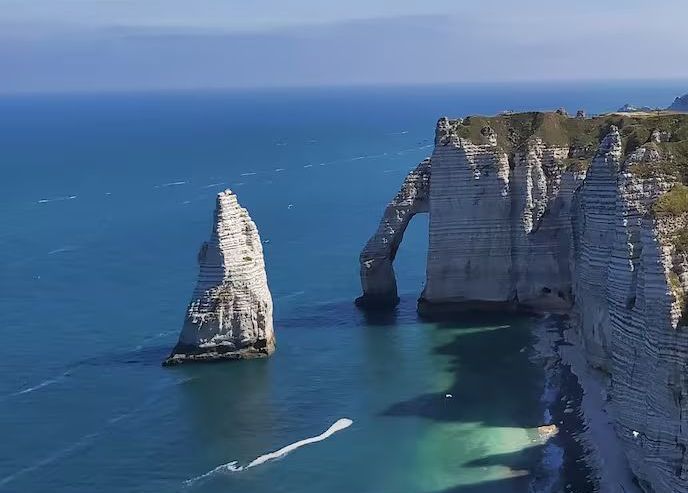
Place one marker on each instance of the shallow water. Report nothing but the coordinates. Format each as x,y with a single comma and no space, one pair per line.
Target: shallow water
105,201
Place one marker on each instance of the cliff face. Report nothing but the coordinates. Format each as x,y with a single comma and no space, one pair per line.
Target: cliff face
594,216
680,104
230,314
545,212
509,204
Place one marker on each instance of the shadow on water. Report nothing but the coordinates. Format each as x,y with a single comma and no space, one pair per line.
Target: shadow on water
514,484
489,363
143,356
493,383
344,312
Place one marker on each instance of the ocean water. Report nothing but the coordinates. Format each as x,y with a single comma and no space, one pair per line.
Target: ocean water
104,202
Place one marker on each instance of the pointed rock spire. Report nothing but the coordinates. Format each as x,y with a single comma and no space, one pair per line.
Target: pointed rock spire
230,314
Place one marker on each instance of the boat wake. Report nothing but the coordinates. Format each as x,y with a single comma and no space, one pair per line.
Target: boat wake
57,199
340,424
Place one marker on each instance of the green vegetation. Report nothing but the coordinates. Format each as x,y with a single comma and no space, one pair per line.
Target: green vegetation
673,203
583,135
670,169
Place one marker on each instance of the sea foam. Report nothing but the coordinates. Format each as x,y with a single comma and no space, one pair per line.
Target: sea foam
232,466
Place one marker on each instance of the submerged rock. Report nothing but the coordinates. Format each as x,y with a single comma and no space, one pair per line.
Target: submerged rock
230,314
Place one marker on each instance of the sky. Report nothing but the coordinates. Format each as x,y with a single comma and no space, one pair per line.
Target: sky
104,45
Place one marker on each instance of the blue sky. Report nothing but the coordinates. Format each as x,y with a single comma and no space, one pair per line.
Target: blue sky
74,45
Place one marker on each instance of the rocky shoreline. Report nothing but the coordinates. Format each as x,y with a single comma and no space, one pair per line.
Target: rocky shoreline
592,457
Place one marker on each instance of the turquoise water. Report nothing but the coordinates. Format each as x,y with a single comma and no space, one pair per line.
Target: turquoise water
104,203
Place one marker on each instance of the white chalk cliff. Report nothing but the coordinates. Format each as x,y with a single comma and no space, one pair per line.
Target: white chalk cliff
543,212
230,314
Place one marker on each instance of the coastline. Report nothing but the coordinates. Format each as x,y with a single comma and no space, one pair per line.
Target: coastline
575,401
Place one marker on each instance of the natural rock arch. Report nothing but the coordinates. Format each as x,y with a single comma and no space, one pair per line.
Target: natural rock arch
377,272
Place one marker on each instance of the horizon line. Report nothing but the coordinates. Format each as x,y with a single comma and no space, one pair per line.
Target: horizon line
335,86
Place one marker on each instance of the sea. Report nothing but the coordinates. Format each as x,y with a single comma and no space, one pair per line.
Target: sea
105,200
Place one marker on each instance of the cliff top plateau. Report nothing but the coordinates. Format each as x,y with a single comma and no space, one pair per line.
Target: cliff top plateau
665,133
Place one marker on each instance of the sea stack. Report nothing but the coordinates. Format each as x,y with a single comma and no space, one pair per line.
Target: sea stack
230,314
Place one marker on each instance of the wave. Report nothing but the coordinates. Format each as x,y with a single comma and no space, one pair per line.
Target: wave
91,437
291,295
250,173
60,454
338,425
307,165
57,199
278,170
61,250
171,184
213,185
38,386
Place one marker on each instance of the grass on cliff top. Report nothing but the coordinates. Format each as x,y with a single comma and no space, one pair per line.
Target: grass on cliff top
673,203
515,130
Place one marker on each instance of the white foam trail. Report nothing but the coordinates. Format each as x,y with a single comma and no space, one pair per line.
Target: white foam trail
291,295
38,386
57,199
308,166
249,174
340,424
171,184
44,383
278,170
61,250
85,440
56,456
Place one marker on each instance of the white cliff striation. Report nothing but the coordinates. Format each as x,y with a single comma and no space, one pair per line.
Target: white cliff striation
509,204
230,314
542,212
